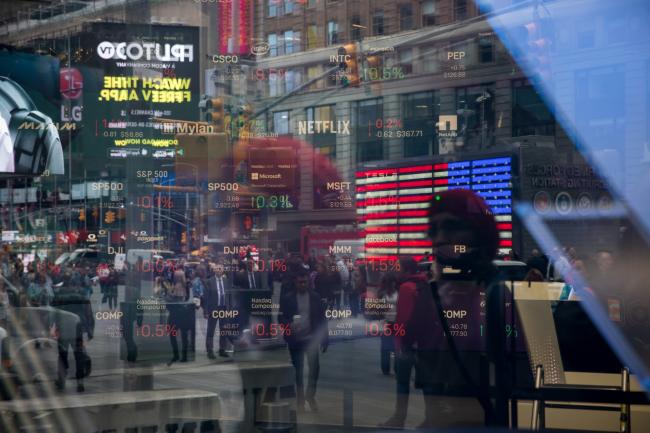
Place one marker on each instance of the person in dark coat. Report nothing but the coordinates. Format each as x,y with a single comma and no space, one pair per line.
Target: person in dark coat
303,313
216,300
72,300
537,261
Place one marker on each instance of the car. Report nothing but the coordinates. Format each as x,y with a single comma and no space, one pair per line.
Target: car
79,255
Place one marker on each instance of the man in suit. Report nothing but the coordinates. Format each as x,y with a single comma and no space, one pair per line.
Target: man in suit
214,301
303,312
248,280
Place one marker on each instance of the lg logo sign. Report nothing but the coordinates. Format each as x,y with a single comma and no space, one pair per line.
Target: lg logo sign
147,51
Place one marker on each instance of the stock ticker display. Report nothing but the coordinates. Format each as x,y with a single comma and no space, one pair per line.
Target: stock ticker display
308,215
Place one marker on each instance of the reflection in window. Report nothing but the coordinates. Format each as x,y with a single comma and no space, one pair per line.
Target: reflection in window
370,147
291,42
475,109
485,49
273,8
460,10
312,37
292,79
288,6
419,113
356,28
325,142
313,72
332,33
430,61
378,23
600,106
406,60
281,122
428,13
272,40
530,116
405,17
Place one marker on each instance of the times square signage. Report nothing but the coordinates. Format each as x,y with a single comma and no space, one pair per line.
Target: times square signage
146,50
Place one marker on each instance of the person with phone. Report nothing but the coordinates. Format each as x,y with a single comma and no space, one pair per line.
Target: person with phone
305,331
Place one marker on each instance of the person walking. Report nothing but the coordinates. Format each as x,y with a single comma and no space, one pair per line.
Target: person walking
388,292
304,315
215,302
69,331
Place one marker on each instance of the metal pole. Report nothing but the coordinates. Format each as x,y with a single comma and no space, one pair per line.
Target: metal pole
69,149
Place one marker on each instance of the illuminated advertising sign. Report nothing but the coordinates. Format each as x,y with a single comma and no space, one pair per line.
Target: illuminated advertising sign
134,74
392,203
235,27
30,101
392,209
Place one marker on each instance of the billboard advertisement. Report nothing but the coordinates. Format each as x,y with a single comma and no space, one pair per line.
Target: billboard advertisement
133,75
29,109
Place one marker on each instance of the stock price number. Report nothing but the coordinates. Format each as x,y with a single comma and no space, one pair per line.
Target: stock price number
383,265
148,202
271,202
272,330
155,331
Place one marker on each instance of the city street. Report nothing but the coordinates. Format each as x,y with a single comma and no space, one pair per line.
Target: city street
349,368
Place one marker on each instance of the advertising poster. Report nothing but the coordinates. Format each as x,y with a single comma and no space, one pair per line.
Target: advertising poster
29,114
133,75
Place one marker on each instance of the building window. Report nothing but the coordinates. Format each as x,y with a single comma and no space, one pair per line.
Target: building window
325,142
356,28
273,8
484,6
378,23
288,7
272,40
485,49
428,13
600,107
291,42
405,17
313,72
460,10
430,58
312,37
281,122
369,146
475,110
419,113
293,79
312,3
332,33
405,61
530,116
276,83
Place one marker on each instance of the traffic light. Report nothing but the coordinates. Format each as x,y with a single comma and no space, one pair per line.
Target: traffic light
215,112
350,64
82,215
184,237
95,213
109,218
533,41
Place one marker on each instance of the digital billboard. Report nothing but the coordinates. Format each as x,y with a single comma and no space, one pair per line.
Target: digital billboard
134,75
392,203
29,113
